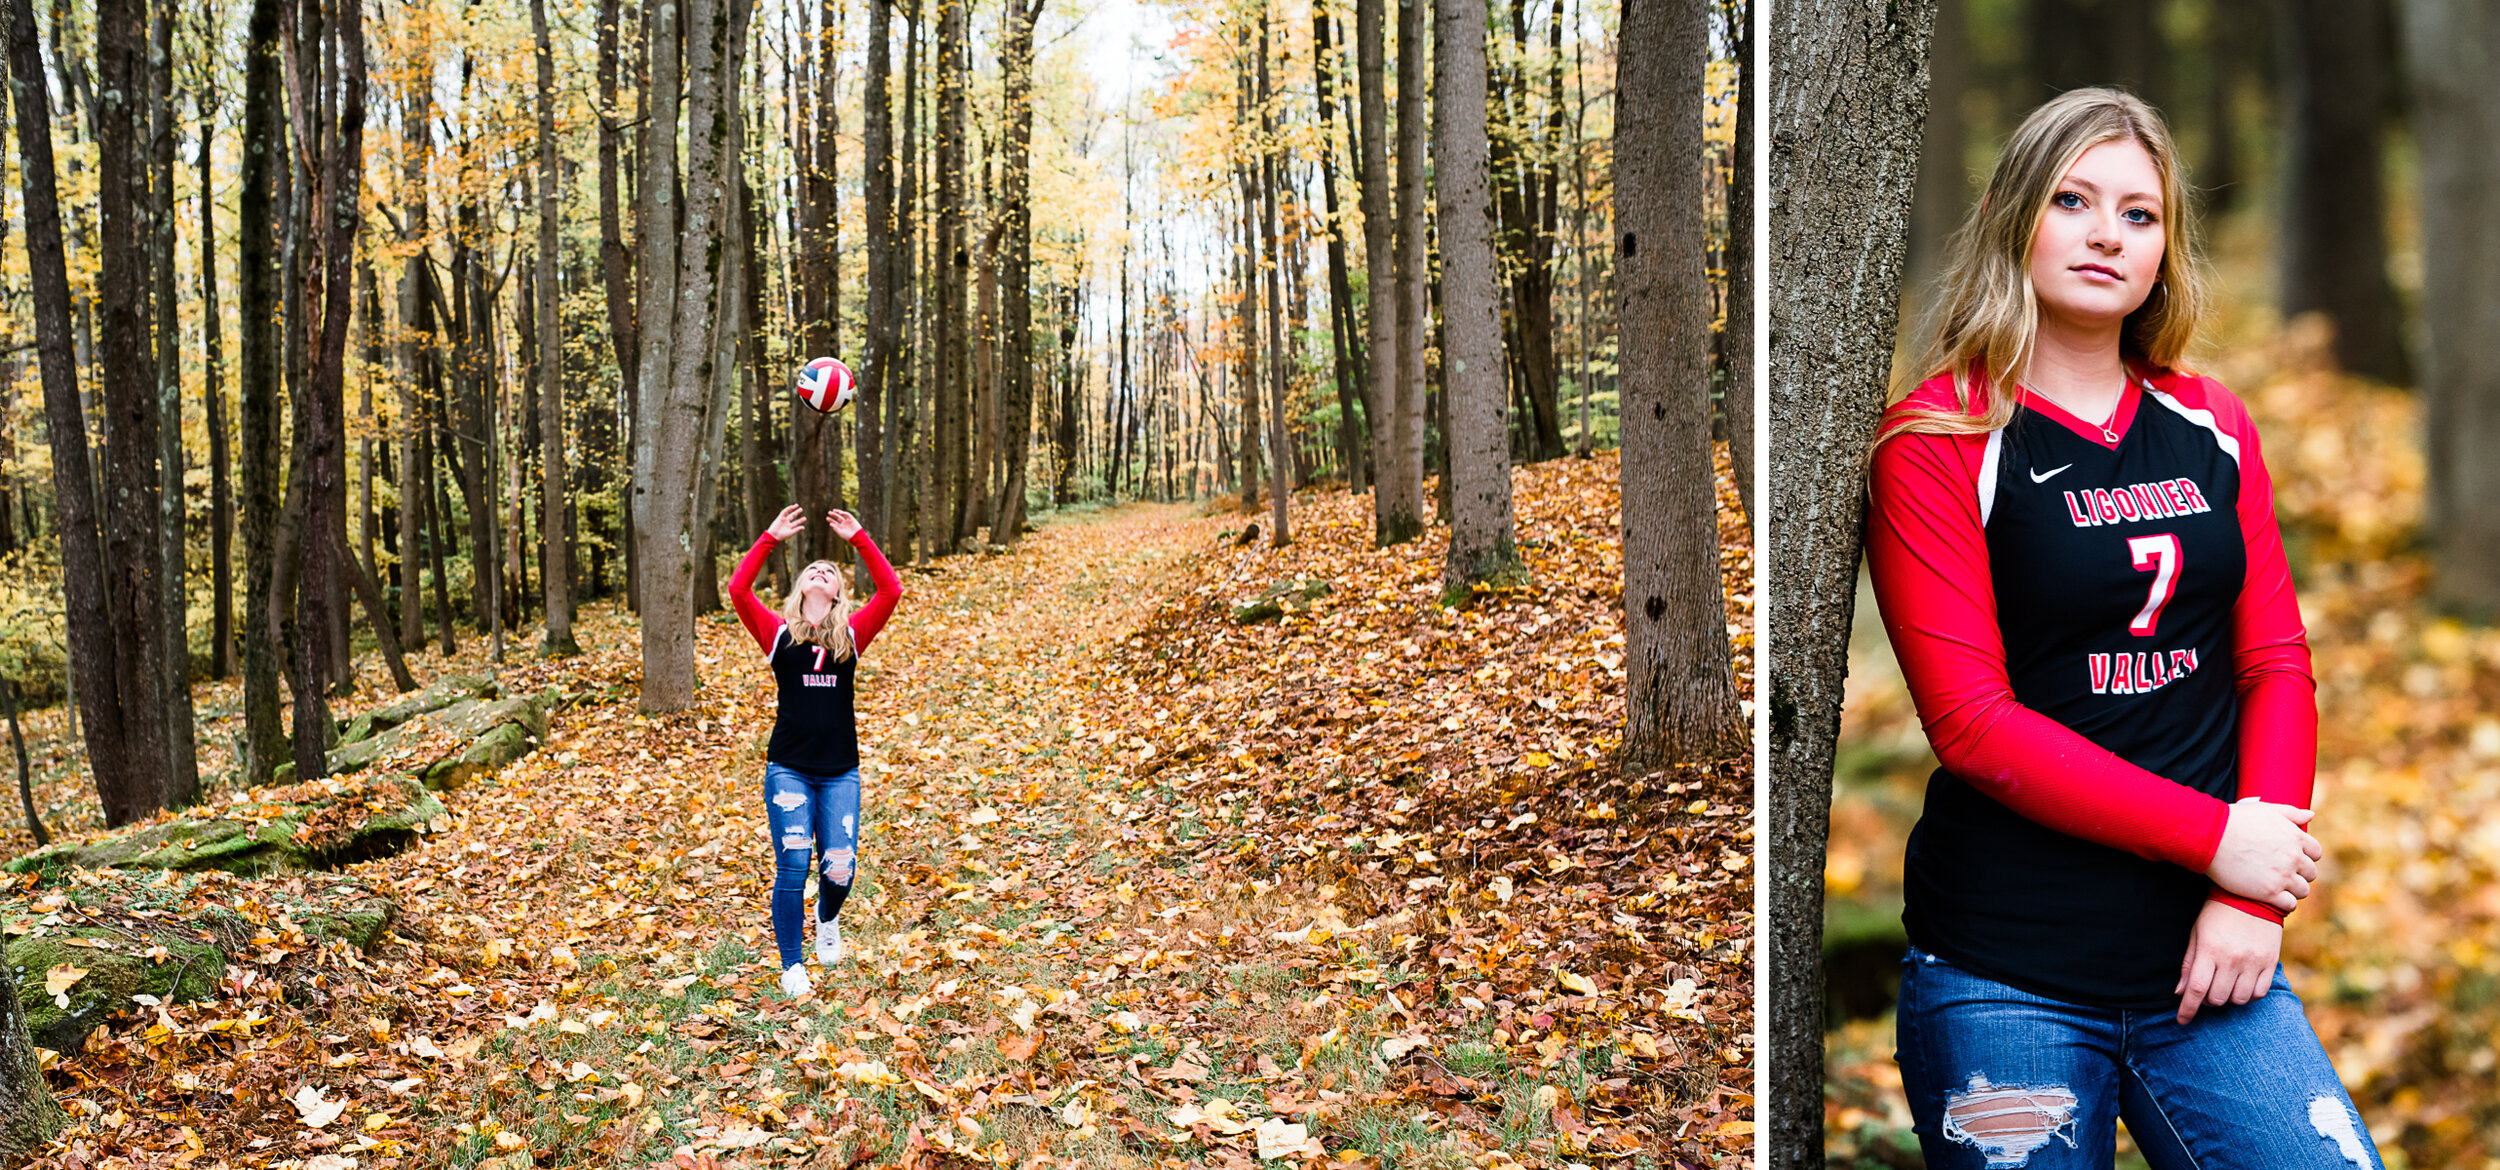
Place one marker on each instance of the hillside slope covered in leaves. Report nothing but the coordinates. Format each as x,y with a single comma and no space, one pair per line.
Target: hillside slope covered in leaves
1139,886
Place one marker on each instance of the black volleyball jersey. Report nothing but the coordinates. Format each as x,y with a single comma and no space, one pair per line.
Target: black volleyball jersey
2087,776
815,731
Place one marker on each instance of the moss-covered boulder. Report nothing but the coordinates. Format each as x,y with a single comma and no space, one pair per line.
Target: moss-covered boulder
115,968
1279,599
87,945
305,826
447,691
466,729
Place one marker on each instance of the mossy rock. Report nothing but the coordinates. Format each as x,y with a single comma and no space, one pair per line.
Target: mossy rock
485,756
442,692
189,972
1278,600
191,843
374,818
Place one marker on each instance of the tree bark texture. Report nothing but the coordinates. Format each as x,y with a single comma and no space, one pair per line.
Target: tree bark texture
1279,437
2449,45
1380,311
134,523
1848,96
182,764
1398,507
1015,421
556,579
1737,396
1680,701
28,1114
1482,548
93,645
260,353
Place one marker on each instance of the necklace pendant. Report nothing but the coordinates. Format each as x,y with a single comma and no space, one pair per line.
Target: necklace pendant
2109,436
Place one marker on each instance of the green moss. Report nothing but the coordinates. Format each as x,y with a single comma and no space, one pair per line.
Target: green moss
189,972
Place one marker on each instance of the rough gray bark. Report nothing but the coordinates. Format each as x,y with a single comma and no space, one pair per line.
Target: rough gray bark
1379,267
1482,548
413,347
556,588
1848,96
683,297
2337,82
1398,508
615,260
1743,270
1279,444
1015,408
1680,700
2449,45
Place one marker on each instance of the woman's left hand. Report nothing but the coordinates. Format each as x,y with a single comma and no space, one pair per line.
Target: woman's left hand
2230,959
844,524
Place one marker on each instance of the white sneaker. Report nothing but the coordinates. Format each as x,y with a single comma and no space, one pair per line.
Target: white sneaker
828,941
794,981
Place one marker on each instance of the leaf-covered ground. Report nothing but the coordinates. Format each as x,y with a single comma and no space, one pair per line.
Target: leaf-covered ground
2393,956
1139,886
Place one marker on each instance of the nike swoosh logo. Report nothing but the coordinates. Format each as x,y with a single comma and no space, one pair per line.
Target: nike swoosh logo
2043,476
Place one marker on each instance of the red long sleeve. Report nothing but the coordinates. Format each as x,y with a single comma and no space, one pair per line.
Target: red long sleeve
871,617
2278,730
762,623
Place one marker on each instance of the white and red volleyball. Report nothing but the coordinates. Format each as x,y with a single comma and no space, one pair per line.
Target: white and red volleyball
825,384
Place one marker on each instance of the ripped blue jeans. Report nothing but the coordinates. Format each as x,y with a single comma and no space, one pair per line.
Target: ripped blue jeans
1999,1078
812,817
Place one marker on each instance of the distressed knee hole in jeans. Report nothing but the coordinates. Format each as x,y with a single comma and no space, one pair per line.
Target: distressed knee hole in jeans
788,799
838,866
797,840
2334,1123
2009,1124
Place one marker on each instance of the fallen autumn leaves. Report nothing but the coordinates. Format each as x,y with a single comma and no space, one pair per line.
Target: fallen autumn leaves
1140,885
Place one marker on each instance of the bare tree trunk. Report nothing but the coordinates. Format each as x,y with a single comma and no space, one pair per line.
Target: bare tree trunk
1680,699
1380,274
1279,444
1848,95
133,490
689,298
1345,342
2456,116
257,386
1482,550
220,489
1737,400
876,374
93,643
1398,507
942,514
182,764
556,580
615,260
1016,407
2337,87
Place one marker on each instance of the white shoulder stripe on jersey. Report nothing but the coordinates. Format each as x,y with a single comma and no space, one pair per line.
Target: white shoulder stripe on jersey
2203,418
779,636
1988,474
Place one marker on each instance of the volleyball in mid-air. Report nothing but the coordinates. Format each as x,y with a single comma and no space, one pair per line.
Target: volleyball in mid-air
824,384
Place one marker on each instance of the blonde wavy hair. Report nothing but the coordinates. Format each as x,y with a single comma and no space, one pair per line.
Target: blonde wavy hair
1983,326
834,633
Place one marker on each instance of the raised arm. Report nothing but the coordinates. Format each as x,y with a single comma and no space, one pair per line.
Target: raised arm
871,617
762,623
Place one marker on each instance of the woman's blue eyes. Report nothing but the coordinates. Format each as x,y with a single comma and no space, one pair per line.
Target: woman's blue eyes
2073,201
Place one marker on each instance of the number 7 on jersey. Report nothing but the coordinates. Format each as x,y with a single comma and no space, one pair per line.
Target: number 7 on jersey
2159,553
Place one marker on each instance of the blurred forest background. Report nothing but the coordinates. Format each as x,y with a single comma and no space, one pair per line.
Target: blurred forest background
2333,145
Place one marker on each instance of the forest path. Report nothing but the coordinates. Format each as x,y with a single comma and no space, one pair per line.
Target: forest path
1142,883
1139,884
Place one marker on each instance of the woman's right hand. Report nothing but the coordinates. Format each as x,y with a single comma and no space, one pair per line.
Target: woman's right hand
791,522
2265,856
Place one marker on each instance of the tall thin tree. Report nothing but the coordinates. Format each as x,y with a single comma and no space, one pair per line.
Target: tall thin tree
556,580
